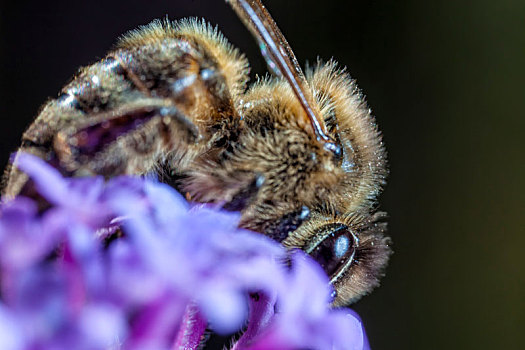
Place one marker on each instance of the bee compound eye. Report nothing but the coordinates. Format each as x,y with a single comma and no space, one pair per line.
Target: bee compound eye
336,250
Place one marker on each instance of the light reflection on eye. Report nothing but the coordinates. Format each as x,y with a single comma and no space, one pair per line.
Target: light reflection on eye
341,246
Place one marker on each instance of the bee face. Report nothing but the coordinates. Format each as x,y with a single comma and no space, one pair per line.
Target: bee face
308,197
298,155
341,232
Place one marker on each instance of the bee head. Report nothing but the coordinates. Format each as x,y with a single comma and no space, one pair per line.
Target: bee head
275,171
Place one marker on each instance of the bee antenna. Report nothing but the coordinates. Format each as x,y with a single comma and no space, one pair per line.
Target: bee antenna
282,61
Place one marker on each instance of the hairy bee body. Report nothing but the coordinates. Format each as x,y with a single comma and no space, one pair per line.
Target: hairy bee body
151,75
172,99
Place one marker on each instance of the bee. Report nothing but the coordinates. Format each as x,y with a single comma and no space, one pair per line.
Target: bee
299,155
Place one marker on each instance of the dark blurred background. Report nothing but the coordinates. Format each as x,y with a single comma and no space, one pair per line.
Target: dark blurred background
446,82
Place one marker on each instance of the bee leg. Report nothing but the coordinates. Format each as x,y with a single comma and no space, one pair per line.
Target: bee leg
280,229
128,140
232,190
245,195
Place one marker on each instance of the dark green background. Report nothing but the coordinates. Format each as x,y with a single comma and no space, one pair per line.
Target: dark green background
446,81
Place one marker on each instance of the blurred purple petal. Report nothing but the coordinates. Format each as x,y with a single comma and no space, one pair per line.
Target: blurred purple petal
155,325
130,281
103,324
48,180
64,288
305,306
23,239
226,310
10,335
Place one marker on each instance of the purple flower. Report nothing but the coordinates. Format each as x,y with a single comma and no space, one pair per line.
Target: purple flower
31,240
10,335
176,270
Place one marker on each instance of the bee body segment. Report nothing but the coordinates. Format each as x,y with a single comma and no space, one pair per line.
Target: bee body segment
186,65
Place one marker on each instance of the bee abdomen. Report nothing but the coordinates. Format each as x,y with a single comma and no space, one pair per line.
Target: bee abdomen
97,88
186,62
154,61
100,87
187,66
